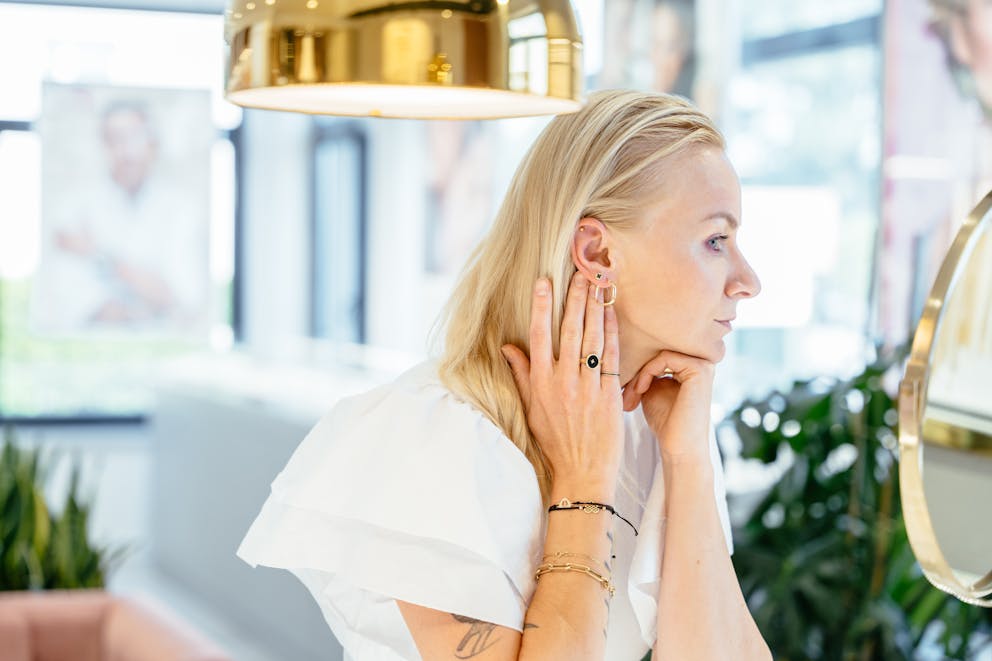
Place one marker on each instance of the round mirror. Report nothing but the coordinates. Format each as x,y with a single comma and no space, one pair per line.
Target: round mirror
945,420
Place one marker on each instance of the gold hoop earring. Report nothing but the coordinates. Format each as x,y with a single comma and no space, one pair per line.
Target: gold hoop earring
613,295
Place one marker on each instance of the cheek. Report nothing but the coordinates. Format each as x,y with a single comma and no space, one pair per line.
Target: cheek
676,295
702,280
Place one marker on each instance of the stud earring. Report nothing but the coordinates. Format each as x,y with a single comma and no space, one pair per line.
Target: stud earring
599,276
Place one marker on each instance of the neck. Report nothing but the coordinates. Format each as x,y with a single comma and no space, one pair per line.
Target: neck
634,353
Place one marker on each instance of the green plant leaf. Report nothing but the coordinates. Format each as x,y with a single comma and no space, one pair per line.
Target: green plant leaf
823,559
39,550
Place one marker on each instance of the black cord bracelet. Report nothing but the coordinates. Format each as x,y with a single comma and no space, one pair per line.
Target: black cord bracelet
566,504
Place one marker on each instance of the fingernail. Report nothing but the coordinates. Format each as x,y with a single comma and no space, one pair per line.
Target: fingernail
541,289
506,355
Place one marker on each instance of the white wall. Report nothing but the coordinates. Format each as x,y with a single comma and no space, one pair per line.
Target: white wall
401,303
276,228
395,310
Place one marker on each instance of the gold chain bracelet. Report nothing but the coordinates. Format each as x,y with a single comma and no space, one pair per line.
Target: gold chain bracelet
569,566
558,555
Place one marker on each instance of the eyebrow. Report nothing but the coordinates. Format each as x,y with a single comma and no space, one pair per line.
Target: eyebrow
729,217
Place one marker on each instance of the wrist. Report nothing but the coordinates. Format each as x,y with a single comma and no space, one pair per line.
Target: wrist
583,491
687,468
692,458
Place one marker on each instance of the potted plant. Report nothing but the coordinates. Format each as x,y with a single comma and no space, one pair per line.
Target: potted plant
41,549
823,559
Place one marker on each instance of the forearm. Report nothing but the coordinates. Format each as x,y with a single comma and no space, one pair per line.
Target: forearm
702,614
568,613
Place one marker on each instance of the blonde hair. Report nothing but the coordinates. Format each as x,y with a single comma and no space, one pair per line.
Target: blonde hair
604,162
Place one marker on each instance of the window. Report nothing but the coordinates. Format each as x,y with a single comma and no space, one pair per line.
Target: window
339,224
803,122
47,375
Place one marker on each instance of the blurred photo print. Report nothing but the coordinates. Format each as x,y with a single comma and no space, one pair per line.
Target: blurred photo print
937,144
651,45
125,219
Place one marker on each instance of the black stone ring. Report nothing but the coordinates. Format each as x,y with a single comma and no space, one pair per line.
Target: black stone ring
591,361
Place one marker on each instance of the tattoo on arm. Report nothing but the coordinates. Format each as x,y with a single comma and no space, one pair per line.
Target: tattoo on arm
477,640
528,625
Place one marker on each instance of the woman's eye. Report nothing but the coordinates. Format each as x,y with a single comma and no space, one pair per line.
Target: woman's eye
714,242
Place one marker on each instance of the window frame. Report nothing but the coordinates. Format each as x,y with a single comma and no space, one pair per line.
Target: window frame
328,131
235,136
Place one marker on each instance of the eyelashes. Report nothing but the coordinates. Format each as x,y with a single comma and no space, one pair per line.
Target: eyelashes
713,242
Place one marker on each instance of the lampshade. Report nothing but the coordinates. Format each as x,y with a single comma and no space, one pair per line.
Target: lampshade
418,59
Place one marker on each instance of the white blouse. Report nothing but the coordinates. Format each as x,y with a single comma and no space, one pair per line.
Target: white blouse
408,492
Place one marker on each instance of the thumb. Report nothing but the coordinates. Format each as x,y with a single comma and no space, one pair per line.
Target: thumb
520,366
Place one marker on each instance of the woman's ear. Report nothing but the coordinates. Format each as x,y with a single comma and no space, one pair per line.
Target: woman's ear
591,251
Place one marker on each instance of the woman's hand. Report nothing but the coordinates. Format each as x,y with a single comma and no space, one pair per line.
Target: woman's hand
676,407
574,411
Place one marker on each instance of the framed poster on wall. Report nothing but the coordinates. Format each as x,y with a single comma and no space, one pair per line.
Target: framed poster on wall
125,212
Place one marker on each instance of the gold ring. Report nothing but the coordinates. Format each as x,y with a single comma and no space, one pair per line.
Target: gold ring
610,373
669,374
591,361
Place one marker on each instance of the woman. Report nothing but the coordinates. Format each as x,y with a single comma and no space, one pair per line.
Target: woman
577,368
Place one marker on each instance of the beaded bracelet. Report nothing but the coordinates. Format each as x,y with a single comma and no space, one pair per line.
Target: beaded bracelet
591,508
569,566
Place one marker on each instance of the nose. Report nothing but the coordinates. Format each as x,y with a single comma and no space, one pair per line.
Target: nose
744,282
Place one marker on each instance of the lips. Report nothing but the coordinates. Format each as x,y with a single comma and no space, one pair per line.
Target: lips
726,322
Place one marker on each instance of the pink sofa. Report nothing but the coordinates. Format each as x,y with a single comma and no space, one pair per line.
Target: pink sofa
94,625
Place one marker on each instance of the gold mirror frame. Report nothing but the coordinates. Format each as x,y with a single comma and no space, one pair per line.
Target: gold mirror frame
912,402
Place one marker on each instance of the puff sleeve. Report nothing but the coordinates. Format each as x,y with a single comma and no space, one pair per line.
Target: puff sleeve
403,492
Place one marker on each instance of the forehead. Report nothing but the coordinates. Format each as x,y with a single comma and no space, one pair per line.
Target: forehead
697,184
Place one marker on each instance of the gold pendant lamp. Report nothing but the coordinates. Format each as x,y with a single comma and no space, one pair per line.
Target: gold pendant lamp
469,59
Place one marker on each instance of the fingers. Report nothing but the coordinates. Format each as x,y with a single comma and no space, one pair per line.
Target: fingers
540,328
570,340
520,366
679,367
652,369
645,378
667,364
631,398
592,337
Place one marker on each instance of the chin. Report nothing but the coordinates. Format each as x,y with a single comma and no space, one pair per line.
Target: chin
714,352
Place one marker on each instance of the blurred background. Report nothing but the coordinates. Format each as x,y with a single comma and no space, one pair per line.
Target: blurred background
186,286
